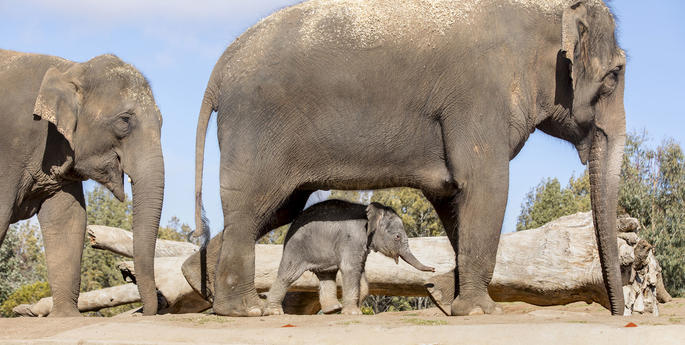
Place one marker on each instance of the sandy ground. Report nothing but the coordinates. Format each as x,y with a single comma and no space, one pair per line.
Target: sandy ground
520,323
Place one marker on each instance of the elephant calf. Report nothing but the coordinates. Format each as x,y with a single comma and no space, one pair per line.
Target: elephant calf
337,235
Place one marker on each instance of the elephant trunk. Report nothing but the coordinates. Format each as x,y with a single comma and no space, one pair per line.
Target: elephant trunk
604,164
147,184
409,258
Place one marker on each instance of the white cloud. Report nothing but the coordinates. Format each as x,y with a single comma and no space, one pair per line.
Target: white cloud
116,11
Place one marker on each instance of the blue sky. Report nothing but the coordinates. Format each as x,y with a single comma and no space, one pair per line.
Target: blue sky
176,43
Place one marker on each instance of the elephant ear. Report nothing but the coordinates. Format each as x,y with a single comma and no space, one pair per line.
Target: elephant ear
374,214
59,101
574,29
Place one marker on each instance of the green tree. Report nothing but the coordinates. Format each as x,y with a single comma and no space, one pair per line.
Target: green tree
26,294
548,201
10,276
177,231
653,190
22,260
417,213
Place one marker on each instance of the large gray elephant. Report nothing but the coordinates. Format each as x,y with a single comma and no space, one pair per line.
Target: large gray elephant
337,235
66,122
435,95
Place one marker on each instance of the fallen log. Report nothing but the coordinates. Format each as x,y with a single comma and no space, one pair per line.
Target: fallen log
120,241
87,301
558,263
554,264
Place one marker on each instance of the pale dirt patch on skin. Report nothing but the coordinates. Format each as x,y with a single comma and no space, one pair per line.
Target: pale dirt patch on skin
138,91
574,323
364,24
371,21
9,59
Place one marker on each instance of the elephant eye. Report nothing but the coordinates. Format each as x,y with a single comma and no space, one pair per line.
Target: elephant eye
122,125
397,237
610,81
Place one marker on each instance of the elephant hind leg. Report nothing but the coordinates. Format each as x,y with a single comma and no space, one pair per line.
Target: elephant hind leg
363,289
63,223
328,292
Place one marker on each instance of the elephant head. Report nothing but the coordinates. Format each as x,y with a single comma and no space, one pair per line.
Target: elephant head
105,110
386,229
589,112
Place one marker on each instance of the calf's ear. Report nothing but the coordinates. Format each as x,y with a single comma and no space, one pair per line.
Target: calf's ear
374,215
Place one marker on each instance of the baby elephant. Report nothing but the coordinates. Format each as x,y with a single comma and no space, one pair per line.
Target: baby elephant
337,235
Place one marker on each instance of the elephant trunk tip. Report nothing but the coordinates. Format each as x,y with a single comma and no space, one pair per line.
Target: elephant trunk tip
409,258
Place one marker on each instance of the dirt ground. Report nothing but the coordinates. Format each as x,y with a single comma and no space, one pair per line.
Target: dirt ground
520,323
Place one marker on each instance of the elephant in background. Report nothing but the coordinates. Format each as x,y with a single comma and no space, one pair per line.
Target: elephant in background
434,95
66,122
338,235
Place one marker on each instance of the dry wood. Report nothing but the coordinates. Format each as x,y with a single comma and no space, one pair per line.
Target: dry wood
121,242
87,301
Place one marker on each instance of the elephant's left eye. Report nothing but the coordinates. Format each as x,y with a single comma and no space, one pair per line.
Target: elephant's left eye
397,237
122,124
610,81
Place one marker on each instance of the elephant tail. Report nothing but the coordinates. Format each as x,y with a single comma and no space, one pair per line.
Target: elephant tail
209,105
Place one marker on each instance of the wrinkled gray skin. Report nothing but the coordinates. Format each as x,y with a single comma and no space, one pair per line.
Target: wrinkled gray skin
437,96
66,122
337,235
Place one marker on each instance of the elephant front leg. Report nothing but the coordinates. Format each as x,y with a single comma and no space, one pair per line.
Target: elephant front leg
328,292
481,205
63,223
351,277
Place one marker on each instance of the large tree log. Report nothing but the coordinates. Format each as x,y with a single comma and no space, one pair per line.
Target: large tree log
555,264
87,301
121,242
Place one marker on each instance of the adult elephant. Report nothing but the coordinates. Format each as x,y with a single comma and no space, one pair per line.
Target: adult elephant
66,122
436,95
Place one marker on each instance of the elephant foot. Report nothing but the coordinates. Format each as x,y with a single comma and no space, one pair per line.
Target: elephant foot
474,305
65,312
351,311
331,309
250,305
273,310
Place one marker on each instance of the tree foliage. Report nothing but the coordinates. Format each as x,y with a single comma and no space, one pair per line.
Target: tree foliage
177,231
416,211
26,294
652,189
549,201
22,260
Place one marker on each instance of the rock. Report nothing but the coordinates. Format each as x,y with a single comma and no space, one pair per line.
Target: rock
629,237
627,224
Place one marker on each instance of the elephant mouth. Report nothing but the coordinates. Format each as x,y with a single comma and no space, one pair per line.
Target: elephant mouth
117,187
113,178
